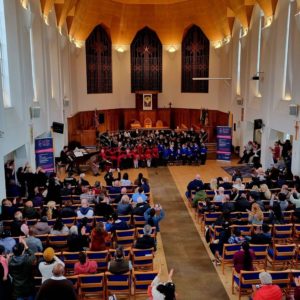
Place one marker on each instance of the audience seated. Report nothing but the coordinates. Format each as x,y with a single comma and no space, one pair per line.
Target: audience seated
146,241
16,224
85,210
77,240
114,223
41,226
119,265
102,206
262,235
84,265
29,212
140,207
50,211
68,211
59,227
139,194
267,290
243,259
34,244
124,207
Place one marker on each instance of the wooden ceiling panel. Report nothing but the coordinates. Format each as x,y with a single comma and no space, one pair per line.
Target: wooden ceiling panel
169,18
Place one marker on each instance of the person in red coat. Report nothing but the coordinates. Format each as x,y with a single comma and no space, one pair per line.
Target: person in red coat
99,237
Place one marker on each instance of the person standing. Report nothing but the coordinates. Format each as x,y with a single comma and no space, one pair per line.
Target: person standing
21,270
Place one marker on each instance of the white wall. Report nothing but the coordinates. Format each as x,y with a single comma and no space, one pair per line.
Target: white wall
51,52
122,96
270,106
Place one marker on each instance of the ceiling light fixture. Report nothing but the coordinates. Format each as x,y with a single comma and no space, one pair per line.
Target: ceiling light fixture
171,48
120,48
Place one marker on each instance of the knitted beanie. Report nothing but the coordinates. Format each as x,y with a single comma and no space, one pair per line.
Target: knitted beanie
48,254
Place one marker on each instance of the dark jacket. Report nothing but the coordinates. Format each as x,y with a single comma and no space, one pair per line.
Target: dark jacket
21,270
56,289
145,242
140,209
119,267
242,204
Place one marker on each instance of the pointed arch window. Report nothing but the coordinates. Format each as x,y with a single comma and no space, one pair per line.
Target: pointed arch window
195,61
146,61
98,62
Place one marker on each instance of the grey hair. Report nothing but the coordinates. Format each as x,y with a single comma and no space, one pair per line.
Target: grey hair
265,278
74,230
147,229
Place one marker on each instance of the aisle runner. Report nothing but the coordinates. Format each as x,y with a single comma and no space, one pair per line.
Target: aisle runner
194,275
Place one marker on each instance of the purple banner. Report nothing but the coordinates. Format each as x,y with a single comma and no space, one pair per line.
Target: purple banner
224,142
44,156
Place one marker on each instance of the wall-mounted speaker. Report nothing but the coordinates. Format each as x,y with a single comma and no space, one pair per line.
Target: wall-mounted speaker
293,110
35,112
58,127
258,124
101,118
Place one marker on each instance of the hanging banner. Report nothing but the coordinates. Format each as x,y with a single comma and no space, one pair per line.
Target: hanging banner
224,141
44,153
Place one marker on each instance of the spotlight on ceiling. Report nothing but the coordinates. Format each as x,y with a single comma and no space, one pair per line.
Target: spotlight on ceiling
120,48
171,48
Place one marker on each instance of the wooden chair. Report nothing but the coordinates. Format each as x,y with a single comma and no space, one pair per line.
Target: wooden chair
58,241
261,254
125,238
282,233
159,124
142,259
91,285
281,255
140,232
282,279
118,284
228,252
136,124
148,123
139,221
244,281
141,281
100,257
70,259
245,230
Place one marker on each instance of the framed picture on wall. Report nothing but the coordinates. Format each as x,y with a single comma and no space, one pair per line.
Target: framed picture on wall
147,101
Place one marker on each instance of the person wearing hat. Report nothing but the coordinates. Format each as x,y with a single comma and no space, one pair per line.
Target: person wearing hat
50,260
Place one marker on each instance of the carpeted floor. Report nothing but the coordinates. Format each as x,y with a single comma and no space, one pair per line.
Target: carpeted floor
194,275
245,170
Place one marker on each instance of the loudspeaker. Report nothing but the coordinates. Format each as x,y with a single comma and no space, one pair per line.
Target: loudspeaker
58,127
101,118
293,109
258,123
35,112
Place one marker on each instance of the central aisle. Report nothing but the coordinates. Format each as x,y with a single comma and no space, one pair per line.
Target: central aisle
194,276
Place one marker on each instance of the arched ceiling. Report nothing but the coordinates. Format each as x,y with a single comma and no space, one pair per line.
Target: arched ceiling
169,18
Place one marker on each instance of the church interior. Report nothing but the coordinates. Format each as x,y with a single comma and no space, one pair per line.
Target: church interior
182,91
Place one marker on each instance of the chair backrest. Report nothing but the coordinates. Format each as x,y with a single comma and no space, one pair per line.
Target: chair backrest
288,216
70,259
43,238
91,284
284,252
58,240
74,280
282,231
90,221
118,283
159,123
211,217
246,230
260,251
142,258
142,279
281,278
126,252
249,278
100,257
125,218
140,232
100,219
125,238
69,221
147,123
229,250
139,221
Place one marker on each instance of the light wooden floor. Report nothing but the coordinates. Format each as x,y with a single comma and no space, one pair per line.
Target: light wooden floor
181,176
